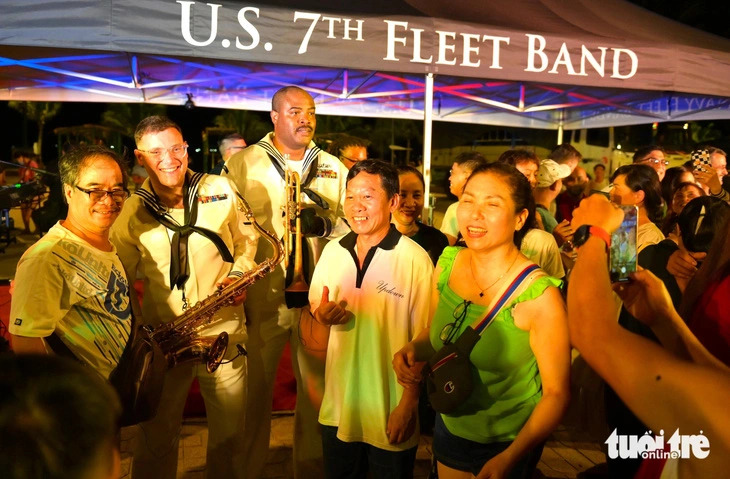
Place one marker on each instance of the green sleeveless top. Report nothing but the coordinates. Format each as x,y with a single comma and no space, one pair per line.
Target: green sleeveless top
506,379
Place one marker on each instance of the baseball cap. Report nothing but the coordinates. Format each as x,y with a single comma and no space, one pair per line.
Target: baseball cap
550,172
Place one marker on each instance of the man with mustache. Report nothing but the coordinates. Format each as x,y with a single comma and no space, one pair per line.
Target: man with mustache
258,171
80,306
183,233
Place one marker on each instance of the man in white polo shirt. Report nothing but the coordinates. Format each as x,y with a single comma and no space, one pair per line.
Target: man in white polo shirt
371,289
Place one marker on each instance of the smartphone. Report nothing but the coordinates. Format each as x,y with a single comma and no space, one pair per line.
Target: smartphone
701,160
623,253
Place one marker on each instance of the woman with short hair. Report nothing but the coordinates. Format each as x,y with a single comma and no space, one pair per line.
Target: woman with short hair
638,185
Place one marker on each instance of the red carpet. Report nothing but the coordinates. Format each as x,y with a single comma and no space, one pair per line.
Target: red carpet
284,390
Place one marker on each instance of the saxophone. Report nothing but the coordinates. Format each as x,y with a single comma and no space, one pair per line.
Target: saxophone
180,339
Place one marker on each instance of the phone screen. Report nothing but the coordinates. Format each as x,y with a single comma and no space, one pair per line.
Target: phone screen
623,256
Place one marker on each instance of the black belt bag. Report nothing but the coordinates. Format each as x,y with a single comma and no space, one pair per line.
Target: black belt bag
449,375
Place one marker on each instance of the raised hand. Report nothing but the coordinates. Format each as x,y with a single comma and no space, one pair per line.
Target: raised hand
563,232
596,210
329,312
646,297
708,177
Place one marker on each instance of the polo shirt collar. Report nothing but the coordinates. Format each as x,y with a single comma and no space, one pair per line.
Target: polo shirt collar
388,243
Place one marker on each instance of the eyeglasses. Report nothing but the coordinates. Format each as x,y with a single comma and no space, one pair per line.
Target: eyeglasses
449,331
175,151
98,195
655,161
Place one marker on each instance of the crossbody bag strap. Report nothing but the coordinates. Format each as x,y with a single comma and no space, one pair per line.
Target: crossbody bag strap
505,298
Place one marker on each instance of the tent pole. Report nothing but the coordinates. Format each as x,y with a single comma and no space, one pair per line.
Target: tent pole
427,112
560,127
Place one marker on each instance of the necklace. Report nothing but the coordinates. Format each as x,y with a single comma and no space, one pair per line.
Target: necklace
484,290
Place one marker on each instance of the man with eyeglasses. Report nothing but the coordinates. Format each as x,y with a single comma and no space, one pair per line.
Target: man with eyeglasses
70,292
259,172
653,156
183,233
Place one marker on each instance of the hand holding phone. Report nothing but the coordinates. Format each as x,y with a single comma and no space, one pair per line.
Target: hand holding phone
623,253
701,160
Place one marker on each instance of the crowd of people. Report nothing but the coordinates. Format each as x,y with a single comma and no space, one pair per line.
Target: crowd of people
495,300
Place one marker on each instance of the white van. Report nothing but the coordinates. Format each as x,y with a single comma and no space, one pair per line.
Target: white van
615,146
599,145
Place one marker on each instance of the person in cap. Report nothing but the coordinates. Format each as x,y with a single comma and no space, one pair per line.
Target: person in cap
538,245
566,154
549,183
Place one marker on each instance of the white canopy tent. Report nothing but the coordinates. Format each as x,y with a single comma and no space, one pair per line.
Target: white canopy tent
528,63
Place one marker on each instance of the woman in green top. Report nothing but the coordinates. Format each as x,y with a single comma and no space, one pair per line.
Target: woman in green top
521,362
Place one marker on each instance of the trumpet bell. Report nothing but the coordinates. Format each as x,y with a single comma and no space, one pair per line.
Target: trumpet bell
297,295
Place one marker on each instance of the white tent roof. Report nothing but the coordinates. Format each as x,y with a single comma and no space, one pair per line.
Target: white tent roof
528,63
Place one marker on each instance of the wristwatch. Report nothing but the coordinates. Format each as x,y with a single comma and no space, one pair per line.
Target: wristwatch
584,232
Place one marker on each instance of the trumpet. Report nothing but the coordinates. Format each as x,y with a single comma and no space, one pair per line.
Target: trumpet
296,294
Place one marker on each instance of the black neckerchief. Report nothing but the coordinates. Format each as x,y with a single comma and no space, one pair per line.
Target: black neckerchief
309,170
349,241
179,266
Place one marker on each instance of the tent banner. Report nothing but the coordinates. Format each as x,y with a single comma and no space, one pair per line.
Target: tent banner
251,32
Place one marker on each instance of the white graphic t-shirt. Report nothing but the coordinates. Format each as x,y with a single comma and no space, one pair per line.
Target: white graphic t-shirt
65,285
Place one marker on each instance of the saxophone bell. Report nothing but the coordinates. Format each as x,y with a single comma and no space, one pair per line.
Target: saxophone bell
216,352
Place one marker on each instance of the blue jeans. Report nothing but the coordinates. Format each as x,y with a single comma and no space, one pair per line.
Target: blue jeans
353,460
466,455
